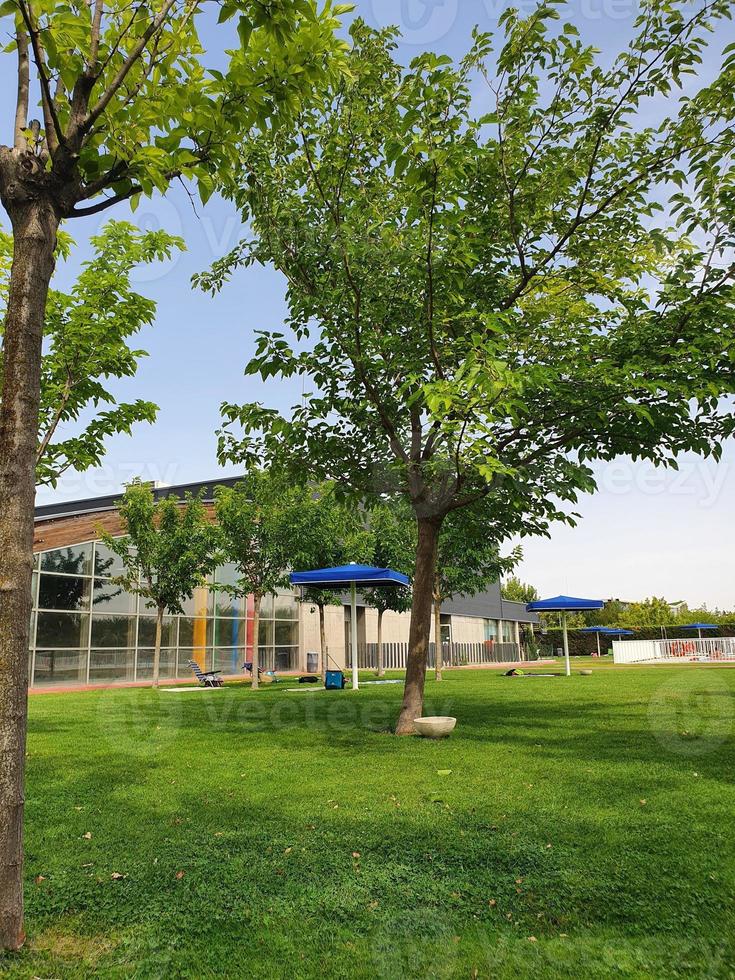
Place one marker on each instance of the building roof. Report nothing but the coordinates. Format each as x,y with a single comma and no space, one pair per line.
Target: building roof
95,505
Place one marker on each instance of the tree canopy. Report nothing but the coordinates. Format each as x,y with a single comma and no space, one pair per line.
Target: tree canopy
514,590
86,344
257,519
486,299
128,103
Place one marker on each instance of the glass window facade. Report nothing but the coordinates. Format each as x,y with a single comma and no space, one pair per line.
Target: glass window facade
87,630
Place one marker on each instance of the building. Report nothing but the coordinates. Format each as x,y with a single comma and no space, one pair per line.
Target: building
87,630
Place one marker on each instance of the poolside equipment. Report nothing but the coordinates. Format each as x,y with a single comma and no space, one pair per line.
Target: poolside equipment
350,575
565,604
207,678
717,649
699,627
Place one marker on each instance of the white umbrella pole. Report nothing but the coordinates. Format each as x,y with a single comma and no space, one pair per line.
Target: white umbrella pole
598,644
353,636
566,644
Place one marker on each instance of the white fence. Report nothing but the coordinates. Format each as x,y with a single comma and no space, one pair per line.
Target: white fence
719,649
453,654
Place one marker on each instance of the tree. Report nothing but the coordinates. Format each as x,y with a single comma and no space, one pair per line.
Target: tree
514,590
467,560
168,550
393,533
649,612
494,302
127,107
86,338
256,522
326,533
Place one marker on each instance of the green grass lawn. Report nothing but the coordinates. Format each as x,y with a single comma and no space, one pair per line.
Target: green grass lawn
569,828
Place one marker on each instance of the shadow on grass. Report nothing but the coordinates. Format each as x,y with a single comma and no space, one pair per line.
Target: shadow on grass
255,833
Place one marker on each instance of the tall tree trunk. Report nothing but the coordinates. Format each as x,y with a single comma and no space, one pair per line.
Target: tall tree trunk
380,667
438,649
157,650
420,628
257,599
34,239
322,644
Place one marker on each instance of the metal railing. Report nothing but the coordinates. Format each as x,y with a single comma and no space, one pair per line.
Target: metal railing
453,655
715,650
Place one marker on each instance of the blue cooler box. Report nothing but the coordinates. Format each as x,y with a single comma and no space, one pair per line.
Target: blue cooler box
334,680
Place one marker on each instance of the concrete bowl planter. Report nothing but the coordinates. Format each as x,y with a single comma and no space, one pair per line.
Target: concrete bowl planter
437,726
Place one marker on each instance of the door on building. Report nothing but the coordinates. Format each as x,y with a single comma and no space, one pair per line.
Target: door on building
446,639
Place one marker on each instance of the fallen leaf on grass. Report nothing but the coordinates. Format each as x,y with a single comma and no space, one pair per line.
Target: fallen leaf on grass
116,876
87,836
356,854
39,878
180,875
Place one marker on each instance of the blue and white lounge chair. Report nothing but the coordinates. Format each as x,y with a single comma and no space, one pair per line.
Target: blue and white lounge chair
207,678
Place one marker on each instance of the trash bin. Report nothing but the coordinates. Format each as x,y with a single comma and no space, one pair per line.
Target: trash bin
312,662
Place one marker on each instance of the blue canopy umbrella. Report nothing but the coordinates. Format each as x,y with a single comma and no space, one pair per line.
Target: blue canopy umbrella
699,627
565,604
352,575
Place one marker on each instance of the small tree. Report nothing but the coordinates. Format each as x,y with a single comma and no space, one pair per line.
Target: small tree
393,532
168,550
327,532
86,343
514,590
256,525
468,558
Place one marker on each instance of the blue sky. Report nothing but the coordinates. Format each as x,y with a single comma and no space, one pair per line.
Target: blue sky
645,532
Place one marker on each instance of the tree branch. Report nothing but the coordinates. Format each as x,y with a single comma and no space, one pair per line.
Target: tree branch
54,129
94,44
104,100
103,205
21,105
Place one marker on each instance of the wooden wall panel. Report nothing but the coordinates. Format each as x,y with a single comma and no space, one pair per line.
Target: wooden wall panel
61,532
